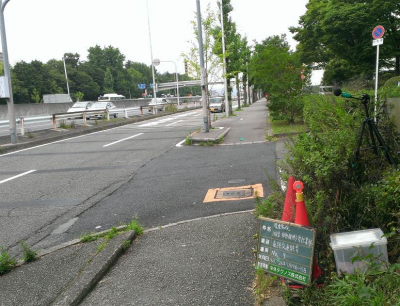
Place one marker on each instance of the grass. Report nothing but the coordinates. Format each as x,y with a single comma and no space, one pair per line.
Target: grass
30,135
28,254
64,125
282,126
135,226
238,109
7,263
262,285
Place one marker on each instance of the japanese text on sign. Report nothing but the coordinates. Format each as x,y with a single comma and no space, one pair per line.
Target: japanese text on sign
286,249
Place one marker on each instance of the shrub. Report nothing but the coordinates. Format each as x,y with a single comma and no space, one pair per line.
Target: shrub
7,263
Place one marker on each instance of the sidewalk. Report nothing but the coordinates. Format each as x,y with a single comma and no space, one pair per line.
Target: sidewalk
248,126
205,261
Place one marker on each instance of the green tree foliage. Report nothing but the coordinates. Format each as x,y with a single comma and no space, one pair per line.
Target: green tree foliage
336,35
212,62
277,70
108,81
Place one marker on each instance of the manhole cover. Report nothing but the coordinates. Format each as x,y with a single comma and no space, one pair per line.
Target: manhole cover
237,181
240,193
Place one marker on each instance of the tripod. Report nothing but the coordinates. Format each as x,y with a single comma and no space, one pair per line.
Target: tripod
373,130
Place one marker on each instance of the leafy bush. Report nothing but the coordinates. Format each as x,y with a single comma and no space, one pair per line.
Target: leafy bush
28,254
7,263
340,196
391,88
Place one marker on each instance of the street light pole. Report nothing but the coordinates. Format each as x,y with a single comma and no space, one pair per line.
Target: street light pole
223,55
151,53
7,74
177,78
66,76
202,69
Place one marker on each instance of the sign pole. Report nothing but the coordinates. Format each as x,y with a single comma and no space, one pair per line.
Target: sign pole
376,80
377,34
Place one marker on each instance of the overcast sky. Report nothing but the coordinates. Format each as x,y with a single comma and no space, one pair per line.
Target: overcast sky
46,29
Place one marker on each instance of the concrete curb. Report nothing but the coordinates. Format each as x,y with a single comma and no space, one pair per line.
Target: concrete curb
212,139
29,144
80,287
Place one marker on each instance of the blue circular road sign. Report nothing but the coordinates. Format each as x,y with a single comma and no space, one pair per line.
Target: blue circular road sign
378,32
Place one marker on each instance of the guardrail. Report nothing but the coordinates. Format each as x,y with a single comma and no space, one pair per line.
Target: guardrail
123,112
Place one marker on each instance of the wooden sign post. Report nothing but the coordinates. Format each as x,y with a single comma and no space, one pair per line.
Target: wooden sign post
286,249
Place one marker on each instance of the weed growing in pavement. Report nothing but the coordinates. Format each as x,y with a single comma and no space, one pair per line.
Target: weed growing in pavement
102,246
96,122
188,141
30,135
63,124
238,109
89,238
262,285
215,117
135,226
7,263
126,244
28,254
112,233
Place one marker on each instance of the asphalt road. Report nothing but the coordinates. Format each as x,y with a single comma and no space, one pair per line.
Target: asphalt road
56,192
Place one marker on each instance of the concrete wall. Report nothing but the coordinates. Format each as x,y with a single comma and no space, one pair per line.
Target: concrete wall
33,109
395,111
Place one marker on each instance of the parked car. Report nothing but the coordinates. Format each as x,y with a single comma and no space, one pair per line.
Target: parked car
217,104
79,107
98,106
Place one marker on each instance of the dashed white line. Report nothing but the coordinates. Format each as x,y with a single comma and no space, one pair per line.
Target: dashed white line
174,122
14,177
110,144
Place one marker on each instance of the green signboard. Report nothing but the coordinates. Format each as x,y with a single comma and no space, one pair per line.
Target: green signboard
286,249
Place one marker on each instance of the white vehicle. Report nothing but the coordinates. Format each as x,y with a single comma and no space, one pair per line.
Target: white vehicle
79,107
111,97
159,103
98,106
217,104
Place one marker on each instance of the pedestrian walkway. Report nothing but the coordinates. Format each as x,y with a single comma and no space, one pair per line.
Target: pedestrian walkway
204,262
245,127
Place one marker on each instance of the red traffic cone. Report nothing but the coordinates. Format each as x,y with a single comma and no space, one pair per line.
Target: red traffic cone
290,205
302,219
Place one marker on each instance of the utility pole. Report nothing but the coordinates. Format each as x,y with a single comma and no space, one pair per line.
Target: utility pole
202,69
7,75
152,64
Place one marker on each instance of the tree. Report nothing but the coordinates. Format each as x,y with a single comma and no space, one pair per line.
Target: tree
277,70
212,63
108,81
336,31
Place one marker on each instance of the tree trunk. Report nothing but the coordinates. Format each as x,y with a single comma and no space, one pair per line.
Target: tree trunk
229,95
238,90
245,91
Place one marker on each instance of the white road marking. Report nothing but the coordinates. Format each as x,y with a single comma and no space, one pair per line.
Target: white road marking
174,122
14,177
110,144
62,140
180,143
